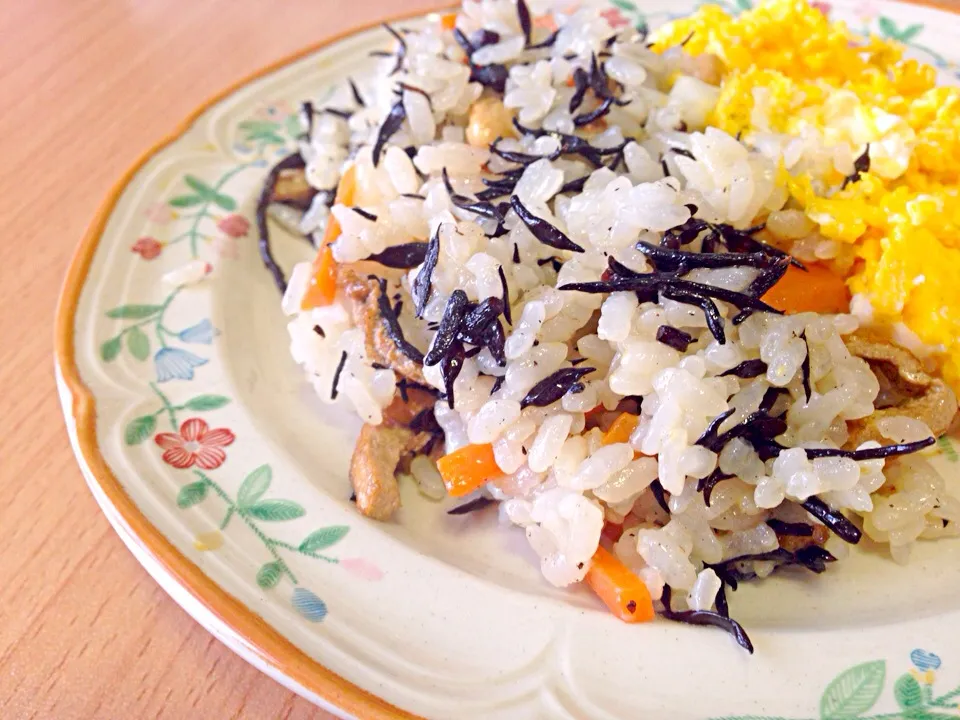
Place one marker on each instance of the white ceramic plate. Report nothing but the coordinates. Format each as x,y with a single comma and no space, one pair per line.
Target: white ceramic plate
224,476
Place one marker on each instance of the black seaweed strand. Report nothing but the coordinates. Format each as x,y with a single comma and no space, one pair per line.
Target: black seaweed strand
403,256
884,451
793,529
660,495
672,337
478,503
747,369
707,484
507,313
391,124
449,325
450,368
555,386
805,368
542,230
860,165
581,82
836,521
422,283
706,617
336,375
523,14
357,97
291,162
389,318
595,114
401,52
710,434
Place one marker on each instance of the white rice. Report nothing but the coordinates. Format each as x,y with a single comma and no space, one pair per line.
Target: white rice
559,481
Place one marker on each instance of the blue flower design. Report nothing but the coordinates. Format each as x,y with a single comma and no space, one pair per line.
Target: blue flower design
259,163
924,660
308,605
176,364
202,332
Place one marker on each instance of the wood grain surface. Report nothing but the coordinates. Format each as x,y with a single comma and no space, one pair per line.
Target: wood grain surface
85,87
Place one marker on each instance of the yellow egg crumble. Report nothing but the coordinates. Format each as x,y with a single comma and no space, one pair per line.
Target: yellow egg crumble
793,77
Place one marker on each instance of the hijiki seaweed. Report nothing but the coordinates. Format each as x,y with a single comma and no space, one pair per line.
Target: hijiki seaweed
673,337
860,165
555,386
420,290
389,127
336,375
291,162
403,256
466,328
401,51
389,318
705,617
470,506
542,230
747,369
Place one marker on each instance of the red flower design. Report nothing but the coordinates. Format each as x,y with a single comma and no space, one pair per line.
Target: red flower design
823,7
234,225
147,247
615,18
195,444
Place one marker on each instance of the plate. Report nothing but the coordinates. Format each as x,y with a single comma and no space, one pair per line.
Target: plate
227,479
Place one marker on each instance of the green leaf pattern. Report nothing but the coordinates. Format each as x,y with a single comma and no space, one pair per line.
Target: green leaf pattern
138,343
111,348
276,510
206,402
269,574
139,429
853,691
191,494
253,508
907,692
185,201
323,538
254,486
134,312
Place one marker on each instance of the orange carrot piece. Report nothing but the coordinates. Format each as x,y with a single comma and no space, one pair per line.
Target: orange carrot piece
817,290
323,285
619,588
621,429
448,21
466,469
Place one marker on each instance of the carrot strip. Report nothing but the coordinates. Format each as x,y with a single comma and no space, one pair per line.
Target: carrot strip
466,469
323,284
620,589
817,289
621,429
448,21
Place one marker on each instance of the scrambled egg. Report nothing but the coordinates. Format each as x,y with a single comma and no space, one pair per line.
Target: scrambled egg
794,77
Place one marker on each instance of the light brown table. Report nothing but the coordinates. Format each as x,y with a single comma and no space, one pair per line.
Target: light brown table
85,87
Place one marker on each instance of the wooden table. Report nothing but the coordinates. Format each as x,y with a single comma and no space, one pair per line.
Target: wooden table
85,87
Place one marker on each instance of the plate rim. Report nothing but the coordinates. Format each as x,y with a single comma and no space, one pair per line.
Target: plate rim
262,640
265,648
